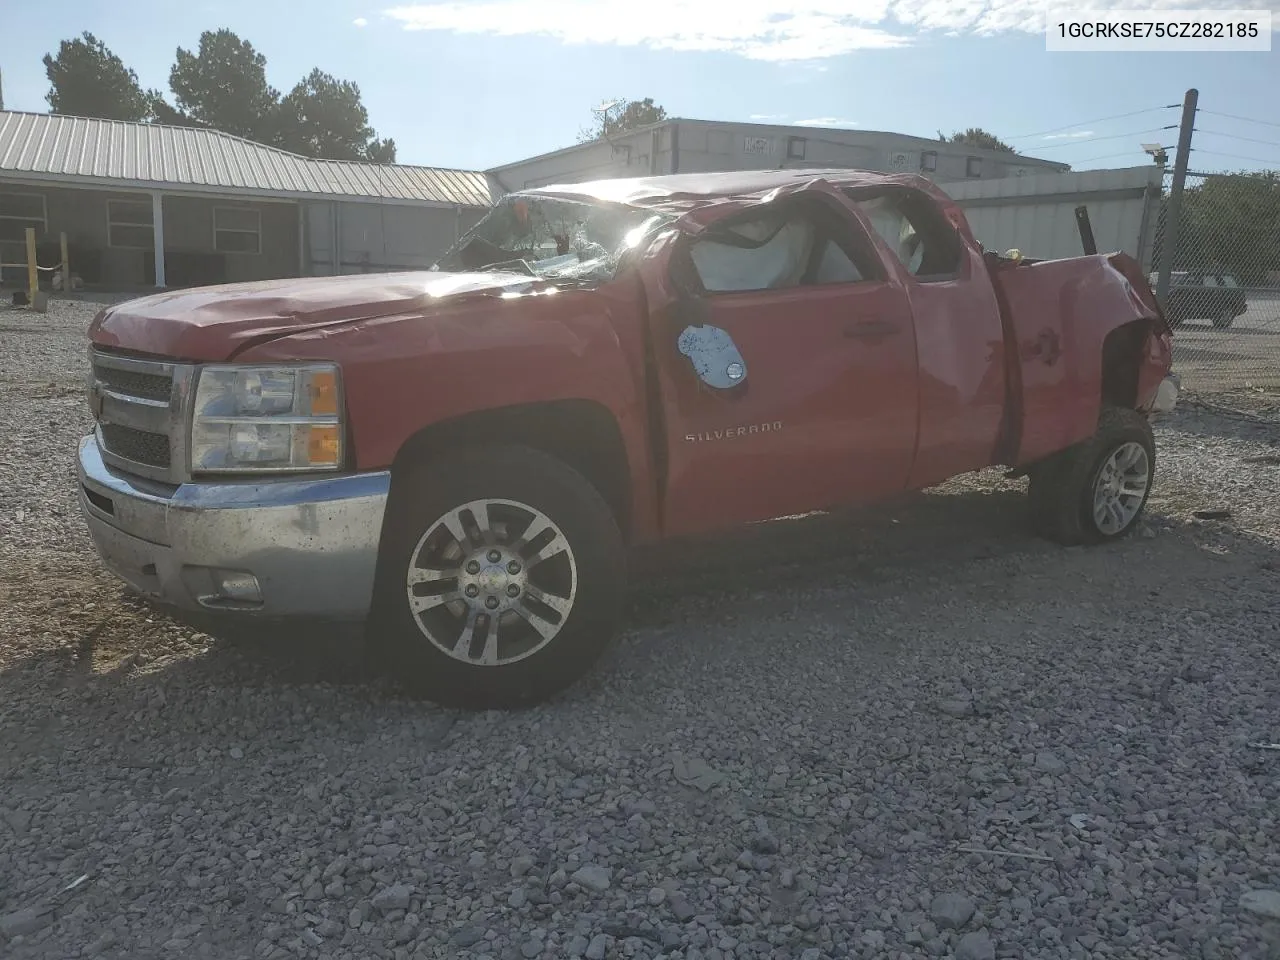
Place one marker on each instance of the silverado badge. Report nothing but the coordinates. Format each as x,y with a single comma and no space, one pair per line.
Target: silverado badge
729,432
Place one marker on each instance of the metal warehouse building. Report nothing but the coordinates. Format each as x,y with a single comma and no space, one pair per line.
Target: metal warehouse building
702,146
150,205
1011,200
146,205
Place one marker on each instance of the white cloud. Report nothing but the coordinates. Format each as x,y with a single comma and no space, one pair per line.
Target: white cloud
1074,135
826,122
773,30
767,117
360,22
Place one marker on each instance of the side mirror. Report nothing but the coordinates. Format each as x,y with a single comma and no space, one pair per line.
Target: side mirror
714,356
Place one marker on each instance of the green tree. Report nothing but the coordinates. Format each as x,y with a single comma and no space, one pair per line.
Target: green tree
87,80
382,151
163,112
623,115
977,137
1231,222
224,86
324,117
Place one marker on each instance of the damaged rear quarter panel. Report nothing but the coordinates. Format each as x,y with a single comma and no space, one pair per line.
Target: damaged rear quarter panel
1059,315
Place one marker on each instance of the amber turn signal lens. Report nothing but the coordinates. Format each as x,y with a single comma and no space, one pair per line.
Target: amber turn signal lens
324,393
322,445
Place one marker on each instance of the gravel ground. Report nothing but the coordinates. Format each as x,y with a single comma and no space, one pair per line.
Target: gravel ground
920,734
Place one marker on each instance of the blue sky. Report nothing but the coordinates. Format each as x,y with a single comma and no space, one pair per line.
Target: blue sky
480,83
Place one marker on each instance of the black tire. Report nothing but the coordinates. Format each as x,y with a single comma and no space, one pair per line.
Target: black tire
1224,319
424,493
1061,491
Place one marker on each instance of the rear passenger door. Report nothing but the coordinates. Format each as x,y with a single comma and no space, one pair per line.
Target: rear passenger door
825,412
959,334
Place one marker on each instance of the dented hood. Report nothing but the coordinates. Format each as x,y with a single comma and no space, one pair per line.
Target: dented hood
215,323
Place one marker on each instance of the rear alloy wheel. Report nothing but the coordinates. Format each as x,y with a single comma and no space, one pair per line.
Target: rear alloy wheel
1097,490
1224,319
1120,488
501,578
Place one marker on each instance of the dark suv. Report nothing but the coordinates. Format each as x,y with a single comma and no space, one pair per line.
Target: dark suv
1205,295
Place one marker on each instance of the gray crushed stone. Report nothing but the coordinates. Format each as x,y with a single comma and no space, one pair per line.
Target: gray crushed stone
810,733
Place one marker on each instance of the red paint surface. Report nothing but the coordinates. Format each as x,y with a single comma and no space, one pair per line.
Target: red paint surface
823,419
968,362
213,323
1059,315
960,362
403,372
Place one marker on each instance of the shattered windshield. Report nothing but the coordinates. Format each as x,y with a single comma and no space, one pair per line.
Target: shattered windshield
553,238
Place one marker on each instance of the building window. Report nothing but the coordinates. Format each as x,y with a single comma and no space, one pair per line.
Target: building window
237,230
795,148
929,161
19,211
129,224
973,167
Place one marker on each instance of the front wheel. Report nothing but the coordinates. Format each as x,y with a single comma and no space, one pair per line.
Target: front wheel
1224,319
1097,490
501,580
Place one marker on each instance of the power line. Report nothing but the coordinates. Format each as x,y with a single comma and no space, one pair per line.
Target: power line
1118,116
1219,133
1235,156
1232,116
1110,156
1113,136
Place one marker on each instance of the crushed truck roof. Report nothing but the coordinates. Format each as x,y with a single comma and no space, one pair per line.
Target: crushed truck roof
684,190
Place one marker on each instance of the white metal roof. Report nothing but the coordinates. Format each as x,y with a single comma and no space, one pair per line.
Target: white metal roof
842,136
115,153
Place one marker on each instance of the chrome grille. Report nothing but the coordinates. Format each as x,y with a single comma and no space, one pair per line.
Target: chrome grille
139,405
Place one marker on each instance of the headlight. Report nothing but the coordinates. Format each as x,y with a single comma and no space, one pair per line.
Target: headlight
248,419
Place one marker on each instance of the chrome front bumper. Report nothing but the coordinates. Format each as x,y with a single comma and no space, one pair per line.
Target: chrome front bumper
281,548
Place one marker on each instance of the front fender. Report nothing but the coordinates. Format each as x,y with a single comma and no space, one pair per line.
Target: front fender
404,372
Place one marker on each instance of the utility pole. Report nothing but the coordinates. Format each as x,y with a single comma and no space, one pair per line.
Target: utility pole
1173,221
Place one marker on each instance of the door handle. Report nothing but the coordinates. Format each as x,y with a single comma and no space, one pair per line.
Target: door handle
871,328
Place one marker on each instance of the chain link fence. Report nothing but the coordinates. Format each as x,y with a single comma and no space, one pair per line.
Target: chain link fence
1224,294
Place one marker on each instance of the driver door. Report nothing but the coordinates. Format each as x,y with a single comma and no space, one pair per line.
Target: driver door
823,409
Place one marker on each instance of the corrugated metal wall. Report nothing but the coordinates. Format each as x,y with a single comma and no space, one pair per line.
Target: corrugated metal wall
374,237
700,146
1036,214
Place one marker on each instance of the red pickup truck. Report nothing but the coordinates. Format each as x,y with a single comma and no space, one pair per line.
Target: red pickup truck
461,457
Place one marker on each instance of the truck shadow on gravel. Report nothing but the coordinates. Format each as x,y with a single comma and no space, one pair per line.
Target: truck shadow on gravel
930,530
109,633
834,551
937,536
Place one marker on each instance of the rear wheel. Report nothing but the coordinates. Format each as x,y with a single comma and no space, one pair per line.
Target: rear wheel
1224,319
501,579
1097,490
